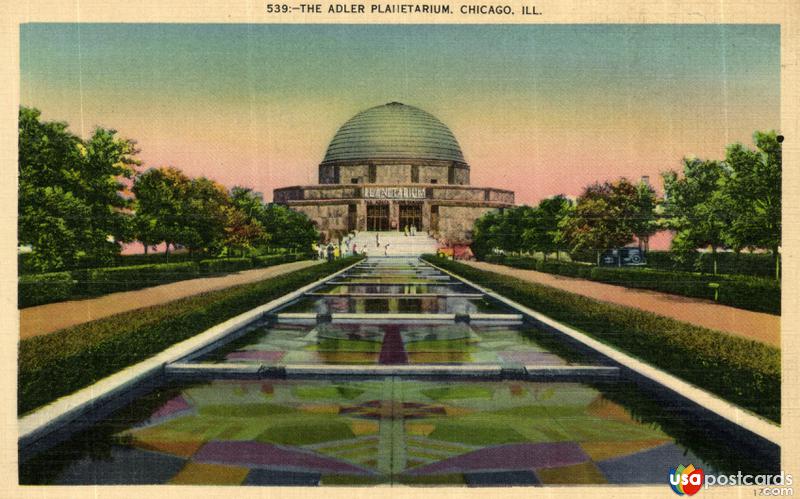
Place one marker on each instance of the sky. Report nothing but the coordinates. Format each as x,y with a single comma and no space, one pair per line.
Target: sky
538,109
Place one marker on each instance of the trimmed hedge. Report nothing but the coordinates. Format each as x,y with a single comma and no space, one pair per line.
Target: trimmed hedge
223,265
747,373
749,293
38,289
751,264
60,363
270,260
93,282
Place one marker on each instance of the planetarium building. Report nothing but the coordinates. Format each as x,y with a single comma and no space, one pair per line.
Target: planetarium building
390,167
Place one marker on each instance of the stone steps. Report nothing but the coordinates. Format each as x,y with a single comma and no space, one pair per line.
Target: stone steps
399,243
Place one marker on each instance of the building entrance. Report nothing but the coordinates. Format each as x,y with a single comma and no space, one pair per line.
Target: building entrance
378,217
410,215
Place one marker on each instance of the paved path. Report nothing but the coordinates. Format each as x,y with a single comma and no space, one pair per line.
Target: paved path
758,326
35,321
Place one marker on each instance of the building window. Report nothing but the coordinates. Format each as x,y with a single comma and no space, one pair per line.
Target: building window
451,174
434,181
373,174
335,174
415,174
354,180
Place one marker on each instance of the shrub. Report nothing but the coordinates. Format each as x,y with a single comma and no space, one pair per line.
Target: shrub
749,293
38,289
157,258
269,260
223,265
745,372
92,282
59,363
751,264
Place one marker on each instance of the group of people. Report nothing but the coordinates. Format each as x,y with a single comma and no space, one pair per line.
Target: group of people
333,251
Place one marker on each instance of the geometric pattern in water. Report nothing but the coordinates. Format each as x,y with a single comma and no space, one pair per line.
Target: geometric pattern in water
392,430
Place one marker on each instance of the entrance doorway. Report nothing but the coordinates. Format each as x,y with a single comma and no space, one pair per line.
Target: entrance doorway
378,217
410,214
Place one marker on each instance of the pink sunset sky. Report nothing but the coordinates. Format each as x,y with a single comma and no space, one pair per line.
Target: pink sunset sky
539,110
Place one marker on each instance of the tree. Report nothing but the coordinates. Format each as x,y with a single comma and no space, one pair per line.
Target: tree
70,202
287,228
243,230
552,211
204,216
510,236
754,189
242,233
160,206
484,233
604,217
697,207
645,224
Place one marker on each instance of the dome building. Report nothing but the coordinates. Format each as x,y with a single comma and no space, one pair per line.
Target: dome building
393,166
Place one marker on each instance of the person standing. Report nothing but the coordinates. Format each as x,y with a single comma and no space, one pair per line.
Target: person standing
377,240
330,252
386,250
355,249
413,230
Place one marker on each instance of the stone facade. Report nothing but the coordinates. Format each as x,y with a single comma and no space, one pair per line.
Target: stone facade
446,212
383,172
393,166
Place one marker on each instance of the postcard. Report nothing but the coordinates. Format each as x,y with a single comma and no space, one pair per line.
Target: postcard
416,248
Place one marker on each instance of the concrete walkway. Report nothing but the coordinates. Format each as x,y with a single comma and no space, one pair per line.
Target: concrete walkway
44,319
758,326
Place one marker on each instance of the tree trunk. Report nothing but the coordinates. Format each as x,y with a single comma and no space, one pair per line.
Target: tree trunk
145,248
166,252
714,257
598,257
558,255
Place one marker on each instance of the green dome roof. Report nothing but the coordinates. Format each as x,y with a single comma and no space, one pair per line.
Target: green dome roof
394,131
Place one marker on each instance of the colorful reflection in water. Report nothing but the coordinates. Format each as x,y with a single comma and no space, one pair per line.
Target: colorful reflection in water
337,343
390,430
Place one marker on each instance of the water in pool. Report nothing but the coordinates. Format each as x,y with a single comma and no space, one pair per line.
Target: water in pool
386,430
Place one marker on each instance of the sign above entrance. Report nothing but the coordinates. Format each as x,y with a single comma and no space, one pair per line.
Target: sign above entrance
394,192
